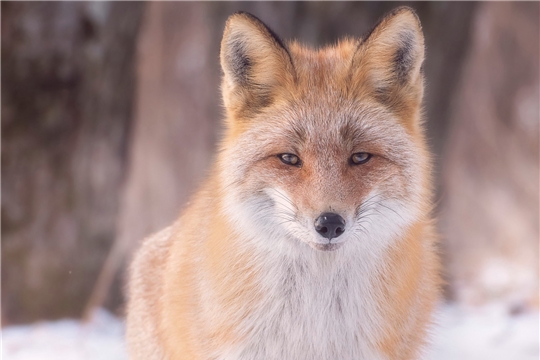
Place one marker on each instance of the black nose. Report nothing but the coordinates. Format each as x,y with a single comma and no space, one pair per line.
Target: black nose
330,225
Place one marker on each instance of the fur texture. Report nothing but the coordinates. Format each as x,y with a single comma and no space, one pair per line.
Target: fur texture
242,274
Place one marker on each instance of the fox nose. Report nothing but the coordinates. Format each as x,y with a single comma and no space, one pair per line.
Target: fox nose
330,225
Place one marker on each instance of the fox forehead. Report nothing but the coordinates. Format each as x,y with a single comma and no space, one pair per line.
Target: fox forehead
341,125
327,69
318,108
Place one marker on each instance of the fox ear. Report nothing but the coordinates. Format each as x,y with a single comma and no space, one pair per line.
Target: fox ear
255,62
388,61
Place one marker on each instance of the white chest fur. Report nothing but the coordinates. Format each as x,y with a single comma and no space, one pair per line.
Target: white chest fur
320,306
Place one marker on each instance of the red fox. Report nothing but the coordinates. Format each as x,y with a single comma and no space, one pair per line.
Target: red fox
312,238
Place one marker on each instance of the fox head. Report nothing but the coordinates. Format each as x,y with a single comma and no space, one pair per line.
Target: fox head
324,147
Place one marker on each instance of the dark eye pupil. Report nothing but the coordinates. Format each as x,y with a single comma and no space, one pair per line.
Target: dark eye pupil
360,158
289,159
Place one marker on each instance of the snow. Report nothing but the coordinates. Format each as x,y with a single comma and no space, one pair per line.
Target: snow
489,332
100,339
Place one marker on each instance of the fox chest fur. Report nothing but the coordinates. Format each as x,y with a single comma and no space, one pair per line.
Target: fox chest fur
312,236
311,308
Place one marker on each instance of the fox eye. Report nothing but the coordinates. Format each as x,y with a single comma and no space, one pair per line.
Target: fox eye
290,159
360,158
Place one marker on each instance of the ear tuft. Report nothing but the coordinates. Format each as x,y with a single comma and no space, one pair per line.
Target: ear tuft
237,61
408,53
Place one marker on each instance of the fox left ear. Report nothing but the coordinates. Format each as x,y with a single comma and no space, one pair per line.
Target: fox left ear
256,65
388,61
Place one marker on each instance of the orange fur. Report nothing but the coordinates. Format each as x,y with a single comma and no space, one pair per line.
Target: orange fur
405,272
242,273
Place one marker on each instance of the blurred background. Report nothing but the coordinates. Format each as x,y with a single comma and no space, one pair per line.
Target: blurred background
111,112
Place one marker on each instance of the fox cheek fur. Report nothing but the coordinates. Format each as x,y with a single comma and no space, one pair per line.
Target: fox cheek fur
323,150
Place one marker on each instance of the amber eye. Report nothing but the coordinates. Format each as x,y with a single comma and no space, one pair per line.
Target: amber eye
290,159
360,158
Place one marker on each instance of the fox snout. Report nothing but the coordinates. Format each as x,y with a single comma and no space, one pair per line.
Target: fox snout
330,225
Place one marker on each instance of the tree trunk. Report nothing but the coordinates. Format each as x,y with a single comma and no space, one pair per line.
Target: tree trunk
68,81
490,216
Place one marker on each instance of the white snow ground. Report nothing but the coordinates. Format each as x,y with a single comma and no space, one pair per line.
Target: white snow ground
100,339
487,333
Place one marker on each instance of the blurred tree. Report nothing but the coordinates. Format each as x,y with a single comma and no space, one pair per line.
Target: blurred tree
68,81
67,100
490,215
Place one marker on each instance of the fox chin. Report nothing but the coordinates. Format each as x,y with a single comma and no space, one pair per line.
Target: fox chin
312,238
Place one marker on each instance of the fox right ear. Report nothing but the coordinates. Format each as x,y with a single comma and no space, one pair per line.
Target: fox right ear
388,62
255,62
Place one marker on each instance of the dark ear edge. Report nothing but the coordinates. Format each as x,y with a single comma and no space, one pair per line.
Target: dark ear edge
406,45
245,63
387,16
257,66
271,32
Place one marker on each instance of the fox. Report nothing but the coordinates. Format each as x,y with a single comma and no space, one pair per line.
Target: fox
312,236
